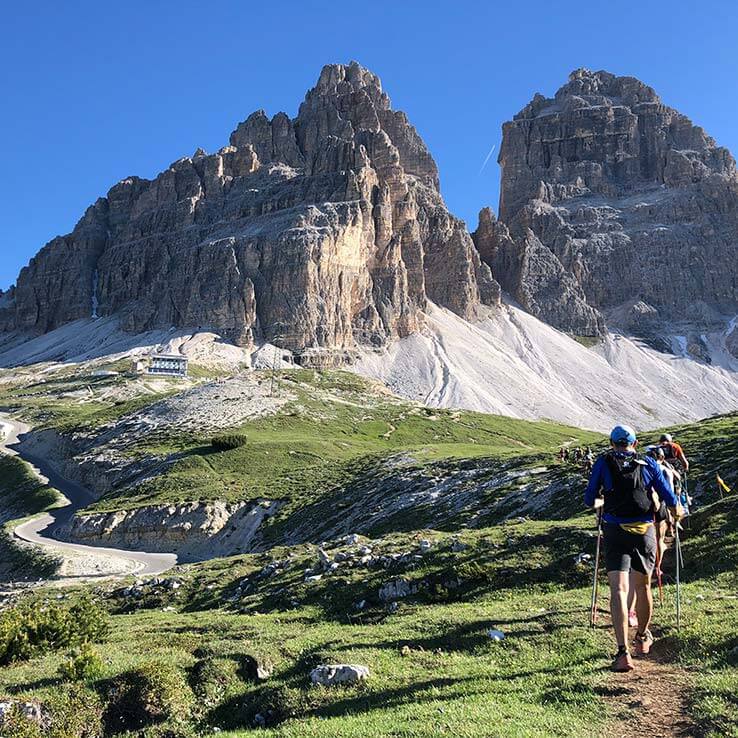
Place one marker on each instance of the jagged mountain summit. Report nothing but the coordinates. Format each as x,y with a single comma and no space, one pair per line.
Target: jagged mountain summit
614,210
327,235
327,230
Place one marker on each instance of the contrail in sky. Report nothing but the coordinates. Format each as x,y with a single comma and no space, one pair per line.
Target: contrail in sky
487,159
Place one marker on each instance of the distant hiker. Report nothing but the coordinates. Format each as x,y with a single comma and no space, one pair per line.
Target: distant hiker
562,454
673,452
588,459
625,482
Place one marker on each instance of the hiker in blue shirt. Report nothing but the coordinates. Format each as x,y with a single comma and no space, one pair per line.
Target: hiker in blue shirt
622,484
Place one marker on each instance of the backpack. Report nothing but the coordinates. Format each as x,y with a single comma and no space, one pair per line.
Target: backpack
628,497
669,451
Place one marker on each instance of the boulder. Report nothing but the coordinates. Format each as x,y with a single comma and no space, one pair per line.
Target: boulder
396,589
329,674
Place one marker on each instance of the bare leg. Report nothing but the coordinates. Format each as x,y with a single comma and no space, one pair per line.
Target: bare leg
661,535
618,604
644,599
631,594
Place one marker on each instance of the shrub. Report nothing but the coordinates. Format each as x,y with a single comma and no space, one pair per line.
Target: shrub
154,693
83,663
228,441
274,705
26,630
76,712
90,621
212,678
30,630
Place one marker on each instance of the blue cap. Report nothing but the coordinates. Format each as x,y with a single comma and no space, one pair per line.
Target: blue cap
623,434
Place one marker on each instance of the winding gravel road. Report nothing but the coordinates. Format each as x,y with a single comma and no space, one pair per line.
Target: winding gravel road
41,530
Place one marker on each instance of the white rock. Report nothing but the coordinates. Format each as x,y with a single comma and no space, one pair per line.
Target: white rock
396,589
329,674
352,539
425,545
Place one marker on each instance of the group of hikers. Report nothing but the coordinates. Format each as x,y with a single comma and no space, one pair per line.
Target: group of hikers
577,455
640,500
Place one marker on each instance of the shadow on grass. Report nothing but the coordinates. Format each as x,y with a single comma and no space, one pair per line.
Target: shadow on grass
33,685
289,695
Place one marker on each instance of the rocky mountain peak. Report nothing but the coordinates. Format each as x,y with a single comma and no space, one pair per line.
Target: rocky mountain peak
603,188
318,232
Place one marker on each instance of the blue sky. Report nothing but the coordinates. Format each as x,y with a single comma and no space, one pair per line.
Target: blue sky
93,92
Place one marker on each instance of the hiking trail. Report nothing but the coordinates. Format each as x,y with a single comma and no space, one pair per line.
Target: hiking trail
651,700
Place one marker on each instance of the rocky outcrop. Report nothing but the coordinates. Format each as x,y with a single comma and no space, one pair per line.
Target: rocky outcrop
192,530
615,206
319,231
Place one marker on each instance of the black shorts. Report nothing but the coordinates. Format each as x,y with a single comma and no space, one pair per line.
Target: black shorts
625,551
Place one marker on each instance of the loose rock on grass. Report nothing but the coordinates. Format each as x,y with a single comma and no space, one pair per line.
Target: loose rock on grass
330,674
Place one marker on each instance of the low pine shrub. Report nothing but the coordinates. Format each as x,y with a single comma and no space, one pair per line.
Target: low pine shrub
75,712
153,694
228,441
212,678
27,631
83,664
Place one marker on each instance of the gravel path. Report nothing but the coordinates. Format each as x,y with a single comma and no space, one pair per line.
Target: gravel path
79,562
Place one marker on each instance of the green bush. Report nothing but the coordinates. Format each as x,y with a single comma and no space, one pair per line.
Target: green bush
83,664
212,678
228,441
76,712
155,693
30,630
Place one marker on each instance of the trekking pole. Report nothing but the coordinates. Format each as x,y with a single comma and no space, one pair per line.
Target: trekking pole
593,608
678,552
686,498
658,561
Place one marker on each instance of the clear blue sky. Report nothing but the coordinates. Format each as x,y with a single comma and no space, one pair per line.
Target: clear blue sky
93,92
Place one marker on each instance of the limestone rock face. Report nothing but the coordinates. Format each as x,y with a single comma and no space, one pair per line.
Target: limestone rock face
322,231
620,201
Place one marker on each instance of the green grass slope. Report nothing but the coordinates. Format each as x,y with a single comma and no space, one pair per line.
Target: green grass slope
337,430
22,495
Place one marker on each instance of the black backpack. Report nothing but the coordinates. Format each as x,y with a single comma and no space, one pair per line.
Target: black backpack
628,497
669,451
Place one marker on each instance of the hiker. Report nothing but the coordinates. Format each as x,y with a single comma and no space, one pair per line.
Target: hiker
588,460
625,482
663,522
673,452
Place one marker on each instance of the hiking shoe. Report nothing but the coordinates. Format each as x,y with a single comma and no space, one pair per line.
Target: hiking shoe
633,619
622,662
643,642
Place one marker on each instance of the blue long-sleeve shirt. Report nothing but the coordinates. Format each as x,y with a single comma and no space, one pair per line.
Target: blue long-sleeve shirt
653,478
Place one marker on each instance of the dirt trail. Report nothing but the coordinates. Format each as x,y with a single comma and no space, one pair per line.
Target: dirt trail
651,700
